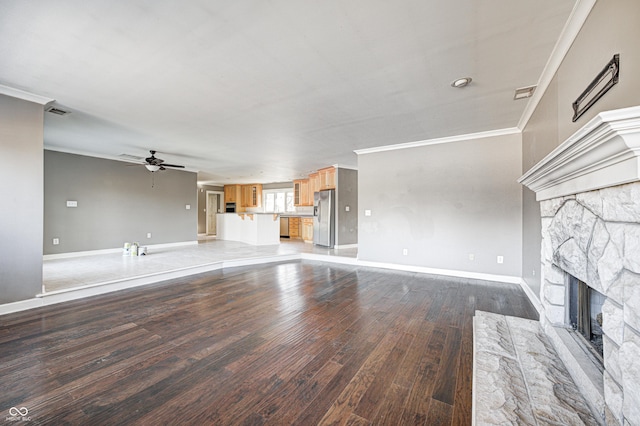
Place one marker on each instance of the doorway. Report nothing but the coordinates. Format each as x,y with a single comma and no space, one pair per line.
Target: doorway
213,208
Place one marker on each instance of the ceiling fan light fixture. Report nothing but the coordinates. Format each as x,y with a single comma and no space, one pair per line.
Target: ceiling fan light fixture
152,167
461,82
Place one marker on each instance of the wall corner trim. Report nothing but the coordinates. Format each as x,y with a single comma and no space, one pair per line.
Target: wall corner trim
574,24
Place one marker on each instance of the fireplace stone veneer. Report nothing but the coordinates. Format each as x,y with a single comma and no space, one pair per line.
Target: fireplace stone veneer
595,236
589,193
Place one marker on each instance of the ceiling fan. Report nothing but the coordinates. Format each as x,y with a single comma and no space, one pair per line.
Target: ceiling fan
154,164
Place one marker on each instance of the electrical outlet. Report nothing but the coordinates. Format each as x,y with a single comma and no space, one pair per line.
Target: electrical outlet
148,234
405,252
533,272
500,259
188,207
472,256
346,208
56,241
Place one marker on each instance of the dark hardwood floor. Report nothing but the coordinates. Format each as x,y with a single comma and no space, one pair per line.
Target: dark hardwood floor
294,343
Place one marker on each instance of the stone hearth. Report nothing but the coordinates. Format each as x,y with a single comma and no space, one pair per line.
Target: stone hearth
589,189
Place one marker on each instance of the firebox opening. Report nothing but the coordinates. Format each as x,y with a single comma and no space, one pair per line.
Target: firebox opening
585,313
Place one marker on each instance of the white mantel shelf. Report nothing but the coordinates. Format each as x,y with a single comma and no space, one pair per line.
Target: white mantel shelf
603,153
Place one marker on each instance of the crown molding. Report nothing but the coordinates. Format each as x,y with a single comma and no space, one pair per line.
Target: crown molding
25,96
105,157
345,166
437,141
603,153
578,17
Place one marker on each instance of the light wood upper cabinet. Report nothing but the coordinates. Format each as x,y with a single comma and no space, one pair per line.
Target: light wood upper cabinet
314,183
296,192
327,178
232,193
243,195
252,195
303,189
301,193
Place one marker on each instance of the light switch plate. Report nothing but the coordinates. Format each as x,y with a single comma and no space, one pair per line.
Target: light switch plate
367,212
72,204
346,209
188,207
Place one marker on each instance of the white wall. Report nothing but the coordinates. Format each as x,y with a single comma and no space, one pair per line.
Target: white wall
21,135
442,203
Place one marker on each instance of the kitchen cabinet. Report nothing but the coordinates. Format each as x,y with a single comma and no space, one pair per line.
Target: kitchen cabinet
301,193
294,227
252,195
314,184
307,229
327,178
232,193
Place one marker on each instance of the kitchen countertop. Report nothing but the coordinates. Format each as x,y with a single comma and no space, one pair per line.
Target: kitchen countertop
295,215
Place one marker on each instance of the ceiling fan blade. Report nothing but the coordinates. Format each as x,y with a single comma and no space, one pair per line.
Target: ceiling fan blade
172,165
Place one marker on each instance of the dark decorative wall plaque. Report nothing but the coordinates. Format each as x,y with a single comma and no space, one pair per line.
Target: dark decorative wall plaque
607,78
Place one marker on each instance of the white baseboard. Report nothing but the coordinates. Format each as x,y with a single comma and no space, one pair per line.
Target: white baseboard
531,295
346,246
21,305
260,260
410,268
447,272
113,250
75,293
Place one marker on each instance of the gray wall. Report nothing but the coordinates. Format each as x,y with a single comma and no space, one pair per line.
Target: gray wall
612,27
346,195
21,133
443,202
117,202
202,205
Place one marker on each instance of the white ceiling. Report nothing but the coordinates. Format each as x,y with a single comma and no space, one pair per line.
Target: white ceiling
269,90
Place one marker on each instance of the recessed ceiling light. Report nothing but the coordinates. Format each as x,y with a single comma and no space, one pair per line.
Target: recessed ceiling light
524,92
461,82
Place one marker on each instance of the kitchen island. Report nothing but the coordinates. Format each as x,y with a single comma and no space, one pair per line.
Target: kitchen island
251,228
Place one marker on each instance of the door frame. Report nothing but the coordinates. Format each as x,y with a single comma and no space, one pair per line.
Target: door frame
206,202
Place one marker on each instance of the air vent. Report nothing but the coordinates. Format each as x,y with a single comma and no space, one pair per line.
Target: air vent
129,157
524,92
57,111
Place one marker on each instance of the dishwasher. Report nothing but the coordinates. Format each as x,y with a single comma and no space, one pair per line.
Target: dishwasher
284,227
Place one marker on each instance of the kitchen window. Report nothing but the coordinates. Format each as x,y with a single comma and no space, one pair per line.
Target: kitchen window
278,201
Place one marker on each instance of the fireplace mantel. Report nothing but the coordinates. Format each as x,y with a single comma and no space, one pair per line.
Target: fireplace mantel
603,153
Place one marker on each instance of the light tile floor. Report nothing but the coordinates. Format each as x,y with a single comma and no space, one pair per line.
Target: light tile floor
61,274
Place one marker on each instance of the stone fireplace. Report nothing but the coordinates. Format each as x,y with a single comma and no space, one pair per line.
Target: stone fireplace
589,193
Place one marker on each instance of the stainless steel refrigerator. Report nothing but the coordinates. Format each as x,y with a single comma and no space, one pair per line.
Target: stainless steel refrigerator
324,218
